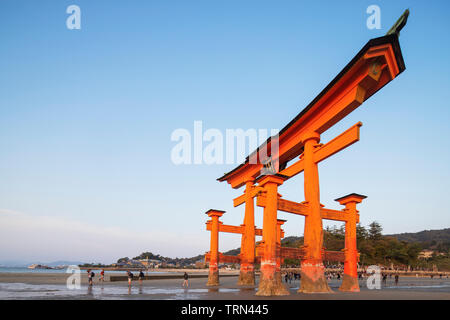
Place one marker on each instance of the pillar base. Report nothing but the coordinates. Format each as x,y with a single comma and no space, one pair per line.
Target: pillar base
213,279
349,284
246,278
272,286
313,279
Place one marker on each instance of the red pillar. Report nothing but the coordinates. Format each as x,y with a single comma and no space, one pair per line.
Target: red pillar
270,279
247,272
313,278
350,279
213,277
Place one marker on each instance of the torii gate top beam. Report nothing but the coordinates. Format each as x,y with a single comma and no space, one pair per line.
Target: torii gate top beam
376,64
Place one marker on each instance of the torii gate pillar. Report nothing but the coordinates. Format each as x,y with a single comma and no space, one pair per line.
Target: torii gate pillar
313,278
213,277
270,279
247,273
350,279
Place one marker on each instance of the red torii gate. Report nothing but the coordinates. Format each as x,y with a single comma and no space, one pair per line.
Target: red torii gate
375,65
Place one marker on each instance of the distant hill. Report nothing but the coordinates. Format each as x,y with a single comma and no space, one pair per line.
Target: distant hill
429,239
176,261
424,236
233,252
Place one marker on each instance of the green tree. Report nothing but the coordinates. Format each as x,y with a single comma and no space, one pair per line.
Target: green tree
126,259
361,232
375,231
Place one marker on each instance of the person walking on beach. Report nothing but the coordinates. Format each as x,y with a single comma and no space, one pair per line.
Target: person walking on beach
90,275
102,275
141,277
186,280
130,277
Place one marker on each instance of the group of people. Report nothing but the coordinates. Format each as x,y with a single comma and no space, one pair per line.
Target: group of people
384,278
91,275
130,277
141,277
289,276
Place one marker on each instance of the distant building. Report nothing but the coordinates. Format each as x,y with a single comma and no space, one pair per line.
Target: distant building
150,263
425,254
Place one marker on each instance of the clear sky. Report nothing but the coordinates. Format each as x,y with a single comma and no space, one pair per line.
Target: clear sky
86,118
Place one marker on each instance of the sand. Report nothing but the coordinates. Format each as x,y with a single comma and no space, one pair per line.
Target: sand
53,286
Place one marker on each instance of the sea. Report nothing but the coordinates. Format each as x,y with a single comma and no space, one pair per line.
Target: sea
26,270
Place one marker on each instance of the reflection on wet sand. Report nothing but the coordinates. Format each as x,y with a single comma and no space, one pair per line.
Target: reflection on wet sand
408,288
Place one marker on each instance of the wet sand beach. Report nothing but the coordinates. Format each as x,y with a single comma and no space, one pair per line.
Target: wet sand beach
53,286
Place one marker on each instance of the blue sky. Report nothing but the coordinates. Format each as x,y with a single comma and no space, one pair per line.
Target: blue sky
86,118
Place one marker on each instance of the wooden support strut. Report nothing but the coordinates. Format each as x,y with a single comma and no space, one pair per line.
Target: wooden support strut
235,229
342,141
302,209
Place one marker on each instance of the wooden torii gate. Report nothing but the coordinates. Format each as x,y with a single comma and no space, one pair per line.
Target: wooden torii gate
375,65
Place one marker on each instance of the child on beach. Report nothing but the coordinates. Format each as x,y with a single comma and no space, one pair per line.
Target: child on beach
141,277
102,275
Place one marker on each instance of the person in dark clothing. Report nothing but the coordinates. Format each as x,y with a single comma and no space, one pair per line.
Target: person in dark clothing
384,278
130,277
141,277
396,279
186,280
91,275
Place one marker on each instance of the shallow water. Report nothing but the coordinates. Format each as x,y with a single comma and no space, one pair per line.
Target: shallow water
415,288
34,291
